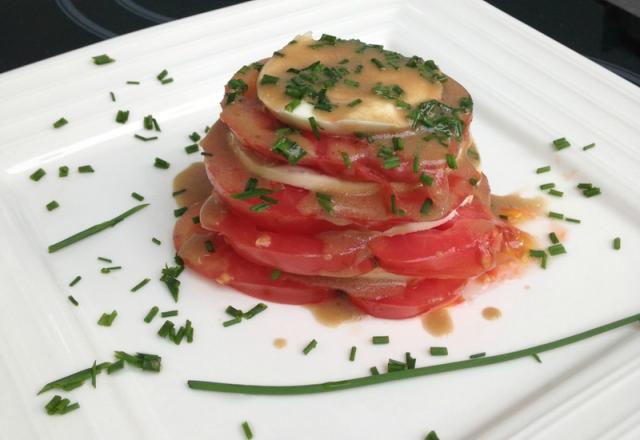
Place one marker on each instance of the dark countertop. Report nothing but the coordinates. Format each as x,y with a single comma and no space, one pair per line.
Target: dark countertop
605,31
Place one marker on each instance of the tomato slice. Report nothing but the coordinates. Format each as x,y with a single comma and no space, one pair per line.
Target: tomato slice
226,267
467,246
247,117
419,297
331,253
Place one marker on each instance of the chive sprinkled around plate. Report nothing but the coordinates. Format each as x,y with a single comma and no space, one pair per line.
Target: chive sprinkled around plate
145,138
438,351
137,196
555,193
346,160
122,116
536,357
113,96
154,240
106,260
233,312
102,59
352,353
60,122
59,406
86,169
110,269
95,229
278,54
140,285
246,429
477,355
52,205
63,171
73,301
258,308
151,314
314,127
161,163
544,169
268,79
73,380
275,274
553,238
37,174
591,192
409,361
451,162
589,147
536,253
407,374
432,436
561,143
557,215
169,313
115,366
394,365
617,243
374,371
231,322
144,361
310,346
556,249
166,81
379,340
147,122
325,202
351,83
75,281
93,374
133,83
573,220
170,276
162,75
107,319
426,206
195,137
376,62
546,186
208,245
355,102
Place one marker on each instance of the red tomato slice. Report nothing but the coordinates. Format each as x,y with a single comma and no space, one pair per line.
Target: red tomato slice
247,117
467,246
331,253
228,268
419,297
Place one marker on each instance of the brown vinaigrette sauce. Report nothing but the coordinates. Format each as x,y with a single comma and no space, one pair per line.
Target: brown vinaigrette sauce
195,182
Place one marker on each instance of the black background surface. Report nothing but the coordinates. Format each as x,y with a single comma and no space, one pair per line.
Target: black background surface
33,30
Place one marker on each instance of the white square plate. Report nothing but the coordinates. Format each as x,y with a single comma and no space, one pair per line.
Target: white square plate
528,90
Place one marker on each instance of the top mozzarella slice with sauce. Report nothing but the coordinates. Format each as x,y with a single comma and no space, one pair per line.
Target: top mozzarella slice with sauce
366,89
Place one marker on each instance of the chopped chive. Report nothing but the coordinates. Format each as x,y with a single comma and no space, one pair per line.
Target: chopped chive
151,314
561,143
588,147
358,68
374,371
156,241
275,274
102,59
196,220
355,102
258,308
394,365
178,192
51,405
106,260
325,202
86,169
140,285
478,355
161,163
167,329
391,162
352,353
260,207
169,313
137,196
278,54
397,143
268,79
37,174
115,366
144,361
547,186
314,127
573,220
555,193
473,181
310,346
75,281
73,300
52,205
60,122
556,249
557,215
110,269
122,116
162,75
135,83
617,243
195,137
451,162
544,169
591,192
179,211
166,81
426,179
376,62
378,340
416,164
94,229
409,361
144,138
439,351
432,436
351,83
232,311
147,122
584,186
209,246
426,206
107,319
536,253
246,429
113,96
93,374
292,105
345,159
63,171
73,380
537,358
543,261
554,238
231,322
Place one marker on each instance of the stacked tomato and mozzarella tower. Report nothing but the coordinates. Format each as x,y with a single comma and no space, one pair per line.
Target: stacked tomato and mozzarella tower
342,168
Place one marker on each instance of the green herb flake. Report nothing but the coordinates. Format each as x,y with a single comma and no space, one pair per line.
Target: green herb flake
573,220
75,281
37,174
258,308
426,179
102,59
169,313
432,436
137,196
325,202
561,143
52,205
86,169
156,241
122,116
275,274
161,163
380,340
314,127
438,351
426,206
355,102
451,162
352,353
246,429
107,319
140,285
544,169
617,243
310,346
231,322
589,147
555,215
73,301
346,159
113,96
151,314
477,355
60,122
556,249
292,105
63,171
268,79
190,149
145,138
391,162
289,149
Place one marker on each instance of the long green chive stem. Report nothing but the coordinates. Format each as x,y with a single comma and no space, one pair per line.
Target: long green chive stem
94,229
74,378
140,285
407,374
